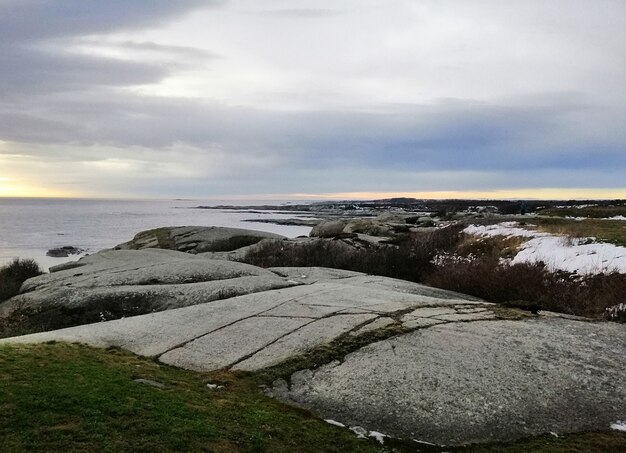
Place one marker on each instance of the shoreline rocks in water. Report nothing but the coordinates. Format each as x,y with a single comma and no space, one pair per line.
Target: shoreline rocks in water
64,252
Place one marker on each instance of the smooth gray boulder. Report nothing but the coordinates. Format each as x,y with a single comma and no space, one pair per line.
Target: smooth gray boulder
197,239
118,283
328,229
463,382
421,363
252,331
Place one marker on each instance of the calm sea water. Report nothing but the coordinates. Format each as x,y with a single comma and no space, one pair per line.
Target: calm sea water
30,227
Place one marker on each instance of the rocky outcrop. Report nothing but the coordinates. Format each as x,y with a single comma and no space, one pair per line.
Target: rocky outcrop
451,382
119,283
374,230
387,355
196,239
64,252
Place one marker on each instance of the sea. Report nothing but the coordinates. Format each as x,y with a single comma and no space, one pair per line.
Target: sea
29,227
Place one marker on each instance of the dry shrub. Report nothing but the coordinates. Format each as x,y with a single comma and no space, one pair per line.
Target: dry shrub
531,283
14,274
410,259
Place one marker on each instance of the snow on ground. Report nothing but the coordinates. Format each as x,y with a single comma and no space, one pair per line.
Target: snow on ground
617,217
619,426
507,229
335,423
558,252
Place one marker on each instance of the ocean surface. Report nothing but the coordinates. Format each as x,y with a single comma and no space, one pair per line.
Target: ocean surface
31,227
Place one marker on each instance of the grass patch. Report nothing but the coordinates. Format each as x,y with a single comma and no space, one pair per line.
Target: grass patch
14,274
596,212
70,398
613,231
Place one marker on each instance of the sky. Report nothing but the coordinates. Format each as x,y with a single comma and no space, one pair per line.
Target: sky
313,98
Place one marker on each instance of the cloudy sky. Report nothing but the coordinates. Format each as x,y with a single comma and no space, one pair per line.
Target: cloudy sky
193,98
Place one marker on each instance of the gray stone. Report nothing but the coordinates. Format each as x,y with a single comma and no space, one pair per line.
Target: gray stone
114,284
409,322
429,311
475,382
378,324
229,345
311,335
467,316
309,275
197,239
328,229
150,382
190,336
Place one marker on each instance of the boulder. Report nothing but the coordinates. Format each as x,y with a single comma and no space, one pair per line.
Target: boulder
197,239
328,229
118,283
64,252
458,382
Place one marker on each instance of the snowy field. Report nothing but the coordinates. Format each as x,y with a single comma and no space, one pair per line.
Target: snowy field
580,255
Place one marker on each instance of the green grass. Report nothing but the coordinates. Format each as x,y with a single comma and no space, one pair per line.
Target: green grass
70,398
597,212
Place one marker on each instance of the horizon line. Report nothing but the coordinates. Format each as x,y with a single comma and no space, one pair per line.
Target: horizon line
496,194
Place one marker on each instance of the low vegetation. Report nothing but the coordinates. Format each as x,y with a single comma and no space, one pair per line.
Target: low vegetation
596,212
531,286
410,260
449,259
70,398
14,274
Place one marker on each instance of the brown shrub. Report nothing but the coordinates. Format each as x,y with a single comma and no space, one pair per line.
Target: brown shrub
531,283
410,259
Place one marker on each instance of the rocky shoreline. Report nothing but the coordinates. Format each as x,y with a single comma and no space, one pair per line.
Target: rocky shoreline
387,355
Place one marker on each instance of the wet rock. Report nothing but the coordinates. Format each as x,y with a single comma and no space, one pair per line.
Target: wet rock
64,252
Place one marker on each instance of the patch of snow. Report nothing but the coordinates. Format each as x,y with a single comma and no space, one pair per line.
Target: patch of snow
575,218
214,386
563,253
557,254
616,217
380,437
619,426
423,442
507,229
335,423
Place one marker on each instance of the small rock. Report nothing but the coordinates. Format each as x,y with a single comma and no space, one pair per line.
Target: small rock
64,252
150,382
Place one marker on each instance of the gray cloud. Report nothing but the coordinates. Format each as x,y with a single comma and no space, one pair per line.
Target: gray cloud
30,20
70,103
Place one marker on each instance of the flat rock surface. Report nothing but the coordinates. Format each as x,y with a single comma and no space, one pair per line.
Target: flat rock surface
118,283
479,381
257,330
422,363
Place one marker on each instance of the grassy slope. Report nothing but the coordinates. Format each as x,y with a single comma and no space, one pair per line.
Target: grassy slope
73,398
69,398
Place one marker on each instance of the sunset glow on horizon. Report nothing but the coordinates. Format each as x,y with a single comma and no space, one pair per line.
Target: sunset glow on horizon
319,99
